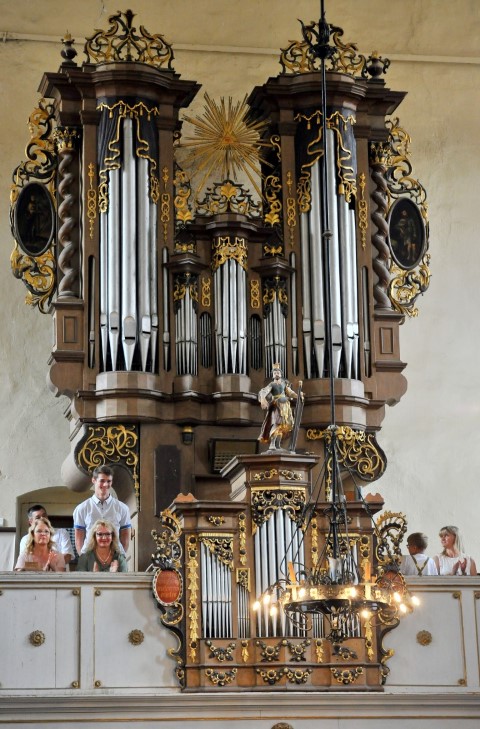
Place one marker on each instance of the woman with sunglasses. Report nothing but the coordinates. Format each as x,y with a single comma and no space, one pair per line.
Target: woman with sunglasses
40,553
102,553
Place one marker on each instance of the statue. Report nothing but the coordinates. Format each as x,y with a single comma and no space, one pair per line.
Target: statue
275,399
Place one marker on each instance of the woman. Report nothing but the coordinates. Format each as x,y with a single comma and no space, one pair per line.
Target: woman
453,560
102,553
40,553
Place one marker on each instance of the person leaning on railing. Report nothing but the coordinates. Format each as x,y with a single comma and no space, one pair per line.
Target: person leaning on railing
102,551
40,553
453,560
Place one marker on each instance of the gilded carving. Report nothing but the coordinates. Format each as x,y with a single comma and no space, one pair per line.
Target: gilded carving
136,637
225,142
369,639
356,448
183,191
269,653
275,288
424,637
298,57
242,538
243,578
297,676
224,249
273,187
297,650
255,298
271,676
391,528
219,545
271,473
184,282
167,558
206,292
221,654
91,200
266,501
121,43
192,587
362,211
221,678
319,651
406,285
245,653
39,276
228,197
110,444
37,272
216,520
314,540
36,638
347,676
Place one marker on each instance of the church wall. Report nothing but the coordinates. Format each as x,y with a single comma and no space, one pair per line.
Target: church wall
431,437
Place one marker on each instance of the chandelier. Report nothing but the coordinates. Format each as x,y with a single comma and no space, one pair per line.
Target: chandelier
335,587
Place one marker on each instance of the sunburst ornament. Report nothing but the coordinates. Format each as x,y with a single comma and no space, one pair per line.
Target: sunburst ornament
225,142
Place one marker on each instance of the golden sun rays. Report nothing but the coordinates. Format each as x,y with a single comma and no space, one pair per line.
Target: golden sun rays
224,142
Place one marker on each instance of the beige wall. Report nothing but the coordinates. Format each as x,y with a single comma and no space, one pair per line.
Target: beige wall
432,438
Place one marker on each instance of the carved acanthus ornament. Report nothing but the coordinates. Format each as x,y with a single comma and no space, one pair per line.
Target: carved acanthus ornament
224,249
265,501
110,444
38,273
121,43
357,449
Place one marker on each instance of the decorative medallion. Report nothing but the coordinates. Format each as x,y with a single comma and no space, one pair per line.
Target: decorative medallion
34,219
424,637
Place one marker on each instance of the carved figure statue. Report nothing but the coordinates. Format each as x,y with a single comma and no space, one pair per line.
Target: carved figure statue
275,399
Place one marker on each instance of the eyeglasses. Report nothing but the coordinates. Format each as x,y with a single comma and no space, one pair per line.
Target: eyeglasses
38,531
103,535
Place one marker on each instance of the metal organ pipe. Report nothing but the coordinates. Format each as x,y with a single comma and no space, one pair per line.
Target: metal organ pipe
128,260
144,261
112,265
230,291
334,256
316,273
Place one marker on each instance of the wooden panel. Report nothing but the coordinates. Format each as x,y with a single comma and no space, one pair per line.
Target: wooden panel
118,612
442,661
54,663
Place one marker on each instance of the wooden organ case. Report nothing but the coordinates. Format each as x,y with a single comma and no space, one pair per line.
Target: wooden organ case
172,302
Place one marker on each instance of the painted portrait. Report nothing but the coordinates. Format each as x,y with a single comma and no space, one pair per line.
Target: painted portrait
406,233
34,219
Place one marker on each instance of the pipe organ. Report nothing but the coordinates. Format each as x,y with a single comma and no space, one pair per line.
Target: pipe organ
176,281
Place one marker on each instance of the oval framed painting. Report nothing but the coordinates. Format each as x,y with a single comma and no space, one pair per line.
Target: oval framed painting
167,586
406,231
34,219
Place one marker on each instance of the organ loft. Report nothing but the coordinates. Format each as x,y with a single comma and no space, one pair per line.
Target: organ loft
182,255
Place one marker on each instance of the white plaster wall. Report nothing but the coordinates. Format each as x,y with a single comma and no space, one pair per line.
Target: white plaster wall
431,438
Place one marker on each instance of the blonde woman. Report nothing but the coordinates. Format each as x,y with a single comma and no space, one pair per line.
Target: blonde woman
102,552
453,560
40,553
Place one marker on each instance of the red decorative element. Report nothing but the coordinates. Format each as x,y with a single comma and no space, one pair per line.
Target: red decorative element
168,586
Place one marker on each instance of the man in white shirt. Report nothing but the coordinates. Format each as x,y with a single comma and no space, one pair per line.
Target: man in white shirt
102,505
61,536
417,563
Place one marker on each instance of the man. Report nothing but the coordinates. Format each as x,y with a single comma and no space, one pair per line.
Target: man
61,536
417,562
102,505
275,399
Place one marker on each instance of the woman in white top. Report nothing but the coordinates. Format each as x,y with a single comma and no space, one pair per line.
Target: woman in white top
453,560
